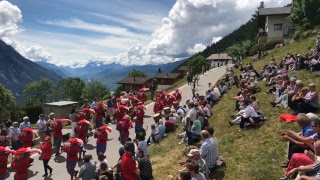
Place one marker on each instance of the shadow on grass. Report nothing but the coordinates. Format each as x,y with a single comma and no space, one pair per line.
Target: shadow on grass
219,173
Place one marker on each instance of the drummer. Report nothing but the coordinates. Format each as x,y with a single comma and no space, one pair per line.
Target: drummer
133,101
168,100
139,120
118,103
141,95
161,95
158,106
177,95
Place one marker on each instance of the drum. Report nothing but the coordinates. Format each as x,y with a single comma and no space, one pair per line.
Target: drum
167,110
157,117
175,104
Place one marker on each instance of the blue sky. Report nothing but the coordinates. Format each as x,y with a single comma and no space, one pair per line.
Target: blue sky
75,32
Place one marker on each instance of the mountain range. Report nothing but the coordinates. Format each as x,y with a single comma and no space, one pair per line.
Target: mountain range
16,71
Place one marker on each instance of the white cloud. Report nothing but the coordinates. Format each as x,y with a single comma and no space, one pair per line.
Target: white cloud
197,48
37,53
10,15
216,39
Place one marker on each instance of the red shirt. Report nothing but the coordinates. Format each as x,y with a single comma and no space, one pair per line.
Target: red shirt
158,107
169,126
140,116
3,162
46,150
72,152
21,166
124,126
168,102
142,97
99,112
26,139
57,129
119,114
81,132
102,137
178,96
128,166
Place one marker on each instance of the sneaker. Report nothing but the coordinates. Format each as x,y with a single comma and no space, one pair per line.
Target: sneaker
230,123
181,142
273,104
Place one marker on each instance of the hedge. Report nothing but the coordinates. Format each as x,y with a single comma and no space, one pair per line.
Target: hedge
33,112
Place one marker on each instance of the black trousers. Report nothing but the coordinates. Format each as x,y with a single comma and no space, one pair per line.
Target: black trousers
303,107
244,120
46,166
293,148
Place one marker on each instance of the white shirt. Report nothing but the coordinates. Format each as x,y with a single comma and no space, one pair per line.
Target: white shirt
14,133
249,112
192,114
206,111
181,112
217,92
42,127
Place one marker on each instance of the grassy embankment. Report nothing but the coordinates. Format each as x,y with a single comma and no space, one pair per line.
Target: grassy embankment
256,153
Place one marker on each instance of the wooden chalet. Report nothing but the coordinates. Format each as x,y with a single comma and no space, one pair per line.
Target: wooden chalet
135,83
168,78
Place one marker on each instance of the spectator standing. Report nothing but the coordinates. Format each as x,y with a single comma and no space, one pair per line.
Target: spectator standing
144,165
129,167
42,127
14,136
25,123
190,117
87,171
7,122
152,89
74,118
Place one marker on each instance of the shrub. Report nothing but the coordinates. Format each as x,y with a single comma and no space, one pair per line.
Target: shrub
33,112
263,47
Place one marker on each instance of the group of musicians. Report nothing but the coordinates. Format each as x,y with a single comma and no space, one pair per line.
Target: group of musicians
125,111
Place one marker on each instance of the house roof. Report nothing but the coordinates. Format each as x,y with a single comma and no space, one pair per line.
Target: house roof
166,75
183,68
274,11
61,103
134,80
219,56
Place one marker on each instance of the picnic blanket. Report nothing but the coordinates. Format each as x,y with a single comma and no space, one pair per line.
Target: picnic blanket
288,118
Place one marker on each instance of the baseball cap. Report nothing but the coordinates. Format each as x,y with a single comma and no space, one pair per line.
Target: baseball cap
193,152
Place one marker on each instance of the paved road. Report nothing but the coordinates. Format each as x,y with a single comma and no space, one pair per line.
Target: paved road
58,163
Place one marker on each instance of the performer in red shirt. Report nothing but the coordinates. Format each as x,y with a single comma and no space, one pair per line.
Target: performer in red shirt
168,101
124,127
139,120
102,138
118,103
142,96
46,149
57,128
26,137
158,106
161,95
133,101
4,153
177,95
99,114
80,132
72,150
21,162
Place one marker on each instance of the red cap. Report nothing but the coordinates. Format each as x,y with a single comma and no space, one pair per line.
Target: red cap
21,151
177,90
126,118
47,138
26,129
130,97
245,90
2,148
73,141
100,103
118,99
140,107
121,106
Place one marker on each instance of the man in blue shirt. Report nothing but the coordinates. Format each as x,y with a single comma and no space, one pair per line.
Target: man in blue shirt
25,123
161,128
296,146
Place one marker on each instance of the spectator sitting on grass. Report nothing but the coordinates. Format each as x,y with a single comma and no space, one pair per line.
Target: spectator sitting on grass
193,168
296,146
196,129
155,135
161,128
194,154
144,165
170,125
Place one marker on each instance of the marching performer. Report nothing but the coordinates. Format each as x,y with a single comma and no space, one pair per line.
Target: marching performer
99,114
46,149
21,162
139,120
141,95
124,127
102,138
177,95
26,137
72,150
158,106
4,153
161,95
118,103
81,131
133,101
57,128
169,100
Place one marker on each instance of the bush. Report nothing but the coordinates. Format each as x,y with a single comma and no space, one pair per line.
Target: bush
263,47
33,112
306,34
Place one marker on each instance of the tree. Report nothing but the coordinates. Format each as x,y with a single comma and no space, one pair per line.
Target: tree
159,71
137,73
38,92
240,51
7,102
196,63
94,89
305,13
68,89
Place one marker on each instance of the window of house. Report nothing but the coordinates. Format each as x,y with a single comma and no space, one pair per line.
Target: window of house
277,27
